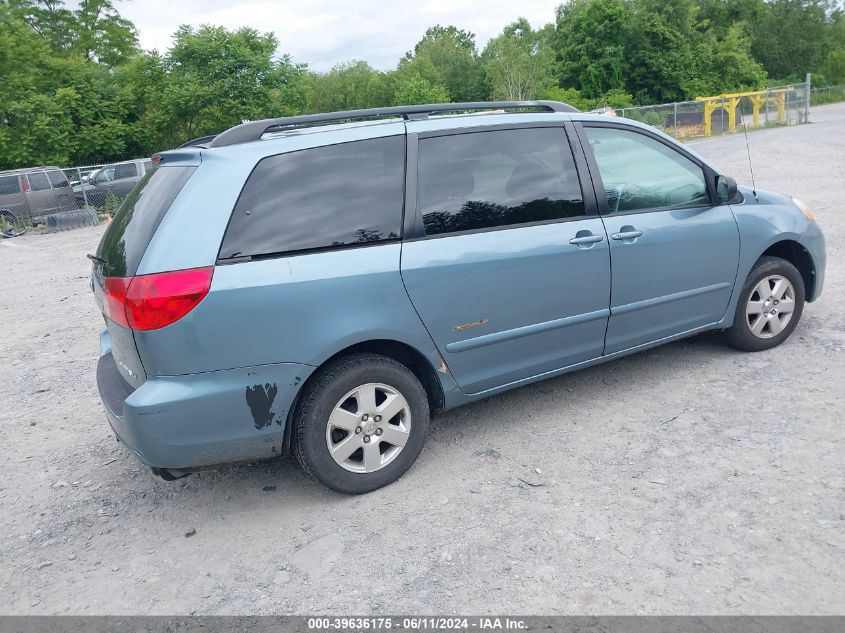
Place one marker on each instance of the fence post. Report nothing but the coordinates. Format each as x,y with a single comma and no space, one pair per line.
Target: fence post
767,106
807,86
83,184
675,119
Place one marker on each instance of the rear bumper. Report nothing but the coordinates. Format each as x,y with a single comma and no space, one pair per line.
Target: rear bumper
200,419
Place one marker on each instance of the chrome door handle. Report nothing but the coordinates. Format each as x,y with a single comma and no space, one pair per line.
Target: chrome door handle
586,239
626,235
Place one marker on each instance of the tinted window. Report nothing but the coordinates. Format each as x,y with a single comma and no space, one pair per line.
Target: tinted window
126,170
487,179
135,222
639,172
106,174
57,179
38,181
339,195
9,185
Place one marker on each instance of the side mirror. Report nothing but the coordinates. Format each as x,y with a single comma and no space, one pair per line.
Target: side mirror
725,189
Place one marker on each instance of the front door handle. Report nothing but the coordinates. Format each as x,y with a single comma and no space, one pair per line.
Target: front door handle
585,238
626,233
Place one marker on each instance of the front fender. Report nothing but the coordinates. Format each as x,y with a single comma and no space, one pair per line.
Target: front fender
765,223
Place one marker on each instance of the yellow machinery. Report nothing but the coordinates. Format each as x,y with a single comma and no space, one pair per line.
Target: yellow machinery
730,102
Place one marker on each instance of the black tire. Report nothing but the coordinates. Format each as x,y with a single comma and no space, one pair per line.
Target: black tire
740,335
10,225
318,401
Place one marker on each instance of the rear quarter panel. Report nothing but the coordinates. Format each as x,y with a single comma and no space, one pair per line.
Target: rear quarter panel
296,309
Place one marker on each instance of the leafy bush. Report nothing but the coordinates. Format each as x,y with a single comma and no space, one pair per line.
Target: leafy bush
111,204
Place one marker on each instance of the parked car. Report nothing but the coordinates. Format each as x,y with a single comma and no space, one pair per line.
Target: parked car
117,179
309,285
83,174
30,194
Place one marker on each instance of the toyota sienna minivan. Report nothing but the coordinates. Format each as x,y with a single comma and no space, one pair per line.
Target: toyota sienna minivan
322,284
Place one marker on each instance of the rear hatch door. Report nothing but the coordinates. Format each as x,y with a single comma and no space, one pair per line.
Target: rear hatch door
121,249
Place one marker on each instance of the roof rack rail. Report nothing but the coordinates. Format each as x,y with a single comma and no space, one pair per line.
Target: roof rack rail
254,130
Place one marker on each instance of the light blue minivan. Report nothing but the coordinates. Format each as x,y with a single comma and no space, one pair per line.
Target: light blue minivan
321,284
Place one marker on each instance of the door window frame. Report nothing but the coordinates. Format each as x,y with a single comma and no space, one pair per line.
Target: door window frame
32,189
221,261
598,184
414,229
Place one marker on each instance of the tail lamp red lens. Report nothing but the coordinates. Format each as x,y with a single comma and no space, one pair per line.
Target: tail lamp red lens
150,302
24,184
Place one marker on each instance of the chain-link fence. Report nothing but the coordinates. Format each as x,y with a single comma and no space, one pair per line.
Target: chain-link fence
103,187
722,114
37,194
827,94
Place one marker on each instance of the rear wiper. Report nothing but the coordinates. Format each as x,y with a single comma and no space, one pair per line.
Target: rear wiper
94,258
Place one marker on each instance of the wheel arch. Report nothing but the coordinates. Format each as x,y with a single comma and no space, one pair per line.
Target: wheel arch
402,353
793,252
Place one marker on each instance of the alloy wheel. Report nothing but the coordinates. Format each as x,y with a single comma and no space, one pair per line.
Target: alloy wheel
770,306
368,428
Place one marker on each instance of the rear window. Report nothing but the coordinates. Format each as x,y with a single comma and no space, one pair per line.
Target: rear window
137,219
9,185
126,170
327,197
38,181
57,179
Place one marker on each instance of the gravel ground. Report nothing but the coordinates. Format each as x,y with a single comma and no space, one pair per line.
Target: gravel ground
690,479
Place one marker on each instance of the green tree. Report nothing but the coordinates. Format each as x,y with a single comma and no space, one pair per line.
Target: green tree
591,38
834,67
728,64
790,37
347,86
48,19
217,78
416,90
93,29
100,33
519,62
447,56
659,60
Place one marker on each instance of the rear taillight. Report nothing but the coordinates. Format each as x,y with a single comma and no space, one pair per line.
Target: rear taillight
150,302
24,184
114,299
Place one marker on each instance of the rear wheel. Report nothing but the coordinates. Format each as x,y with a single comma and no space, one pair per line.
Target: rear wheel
769,307
361,423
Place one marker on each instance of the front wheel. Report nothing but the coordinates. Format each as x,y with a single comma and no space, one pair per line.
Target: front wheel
361,423
769,307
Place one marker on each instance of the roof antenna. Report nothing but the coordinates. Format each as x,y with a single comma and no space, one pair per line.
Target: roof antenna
750,166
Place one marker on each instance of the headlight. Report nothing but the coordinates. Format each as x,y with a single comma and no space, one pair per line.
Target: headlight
804,209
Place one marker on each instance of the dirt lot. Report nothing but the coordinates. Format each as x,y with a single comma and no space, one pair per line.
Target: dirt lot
688,479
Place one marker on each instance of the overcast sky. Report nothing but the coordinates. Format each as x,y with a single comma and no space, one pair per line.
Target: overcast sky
322,33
